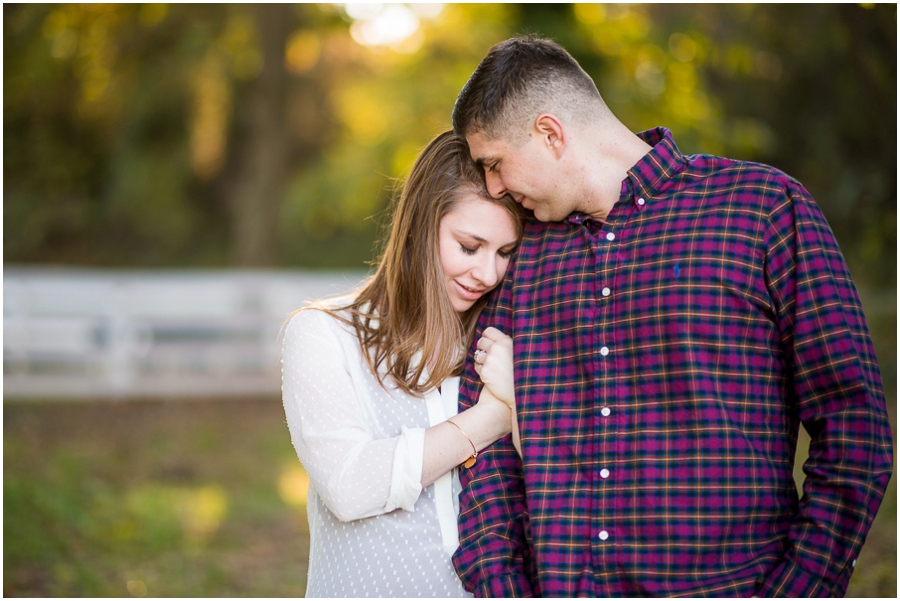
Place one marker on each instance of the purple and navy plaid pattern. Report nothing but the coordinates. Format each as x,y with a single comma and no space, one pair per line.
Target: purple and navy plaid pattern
664,361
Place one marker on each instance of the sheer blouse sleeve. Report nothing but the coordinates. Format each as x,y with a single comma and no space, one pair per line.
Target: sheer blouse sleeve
355,474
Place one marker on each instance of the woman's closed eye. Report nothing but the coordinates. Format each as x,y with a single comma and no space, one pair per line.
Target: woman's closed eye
468,251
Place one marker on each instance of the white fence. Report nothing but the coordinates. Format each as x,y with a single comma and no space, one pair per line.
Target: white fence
72,333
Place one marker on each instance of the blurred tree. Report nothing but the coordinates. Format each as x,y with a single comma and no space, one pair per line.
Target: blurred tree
268,136
153,135
263,169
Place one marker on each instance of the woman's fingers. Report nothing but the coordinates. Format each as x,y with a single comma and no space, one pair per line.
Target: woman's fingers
493,334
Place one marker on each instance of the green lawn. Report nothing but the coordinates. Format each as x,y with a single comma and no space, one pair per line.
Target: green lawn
155,498
190,499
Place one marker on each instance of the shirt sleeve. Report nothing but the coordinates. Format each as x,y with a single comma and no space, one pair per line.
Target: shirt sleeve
355,474
835,383
493,559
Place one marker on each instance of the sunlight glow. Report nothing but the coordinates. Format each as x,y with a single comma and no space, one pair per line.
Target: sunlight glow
388,24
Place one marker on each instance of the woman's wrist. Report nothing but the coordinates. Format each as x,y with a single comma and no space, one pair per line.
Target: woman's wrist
486,422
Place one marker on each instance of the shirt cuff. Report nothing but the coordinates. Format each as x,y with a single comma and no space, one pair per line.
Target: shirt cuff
406,475
790,580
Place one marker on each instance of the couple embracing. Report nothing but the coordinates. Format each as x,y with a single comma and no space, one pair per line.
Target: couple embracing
581,366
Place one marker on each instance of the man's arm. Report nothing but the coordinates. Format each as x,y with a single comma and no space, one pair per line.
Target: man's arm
836,385
493,559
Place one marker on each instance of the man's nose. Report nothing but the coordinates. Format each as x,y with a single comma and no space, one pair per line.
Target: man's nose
494,185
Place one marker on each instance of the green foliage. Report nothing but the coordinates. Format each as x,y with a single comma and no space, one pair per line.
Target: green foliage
142,134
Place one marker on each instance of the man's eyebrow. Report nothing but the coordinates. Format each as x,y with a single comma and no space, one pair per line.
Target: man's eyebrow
480,161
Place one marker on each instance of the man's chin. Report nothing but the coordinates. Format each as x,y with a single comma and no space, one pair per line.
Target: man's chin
541,215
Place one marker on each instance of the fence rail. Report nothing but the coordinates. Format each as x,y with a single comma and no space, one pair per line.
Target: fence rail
71,333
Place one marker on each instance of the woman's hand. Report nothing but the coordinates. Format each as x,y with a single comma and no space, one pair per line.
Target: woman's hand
494,364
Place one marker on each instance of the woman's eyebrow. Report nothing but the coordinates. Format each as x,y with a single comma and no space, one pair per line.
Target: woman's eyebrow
471,235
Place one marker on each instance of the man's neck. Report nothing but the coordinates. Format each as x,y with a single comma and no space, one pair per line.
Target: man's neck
617,152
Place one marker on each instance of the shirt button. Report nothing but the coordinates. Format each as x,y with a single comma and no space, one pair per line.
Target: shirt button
606,292
603,535
610,236
641,201
604,351
605,412
853,563
604,473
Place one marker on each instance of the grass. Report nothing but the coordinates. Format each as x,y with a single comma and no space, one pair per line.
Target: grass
192,499
152,498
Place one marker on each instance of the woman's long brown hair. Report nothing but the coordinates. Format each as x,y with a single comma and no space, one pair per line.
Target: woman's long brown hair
404,308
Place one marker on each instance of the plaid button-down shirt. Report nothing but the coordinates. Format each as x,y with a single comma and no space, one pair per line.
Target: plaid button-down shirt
664,360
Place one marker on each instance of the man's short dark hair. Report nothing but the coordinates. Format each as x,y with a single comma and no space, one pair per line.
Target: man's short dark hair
518,79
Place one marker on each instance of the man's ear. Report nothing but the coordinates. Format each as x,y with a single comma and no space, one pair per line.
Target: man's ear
550,130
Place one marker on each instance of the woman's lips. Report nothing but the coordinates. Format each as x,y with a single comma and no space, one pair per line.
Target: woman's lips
468,293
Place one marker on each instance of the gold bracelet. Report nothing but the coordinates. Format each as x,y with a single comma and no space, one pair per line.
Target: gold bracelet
471,460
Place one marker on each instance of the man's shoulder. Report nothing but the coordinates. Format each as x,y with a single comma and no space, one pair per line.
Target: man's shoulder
704,167
736,181
707,165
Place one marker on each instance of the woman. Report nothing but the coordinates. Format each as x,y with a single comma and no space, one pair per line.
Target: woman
370,385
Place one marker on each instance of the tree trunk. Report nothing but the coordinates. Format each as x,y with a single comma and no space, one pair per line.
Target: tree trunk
264,168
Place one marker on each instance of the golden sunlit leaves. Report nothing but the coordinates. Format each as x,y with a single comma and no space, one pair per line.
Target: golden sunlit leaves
238,42
86,36
589,14
302,52
683,47
614,27
63,39
364,111
211,115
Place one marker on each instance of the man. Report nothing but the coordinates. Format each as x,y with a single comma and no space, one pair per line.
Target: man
675,318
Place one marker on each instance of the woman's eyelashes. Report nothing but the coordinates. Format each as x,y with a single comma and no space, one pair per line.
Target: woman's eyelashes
505,254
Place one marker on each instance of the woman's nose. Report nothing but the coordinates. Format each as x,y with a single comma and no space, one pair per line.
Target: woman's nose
486,271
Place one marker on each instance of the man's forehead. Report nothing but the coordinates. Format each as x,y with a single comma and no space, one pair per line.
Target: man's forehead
482,149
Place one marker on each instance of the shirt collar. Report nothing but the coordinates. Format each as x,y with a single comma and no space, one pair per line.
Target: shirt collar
655,170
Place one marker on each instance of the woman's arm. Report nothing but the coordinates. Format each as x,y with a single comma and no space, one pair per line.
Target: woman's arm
356,475
353,473
492,418
446,446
